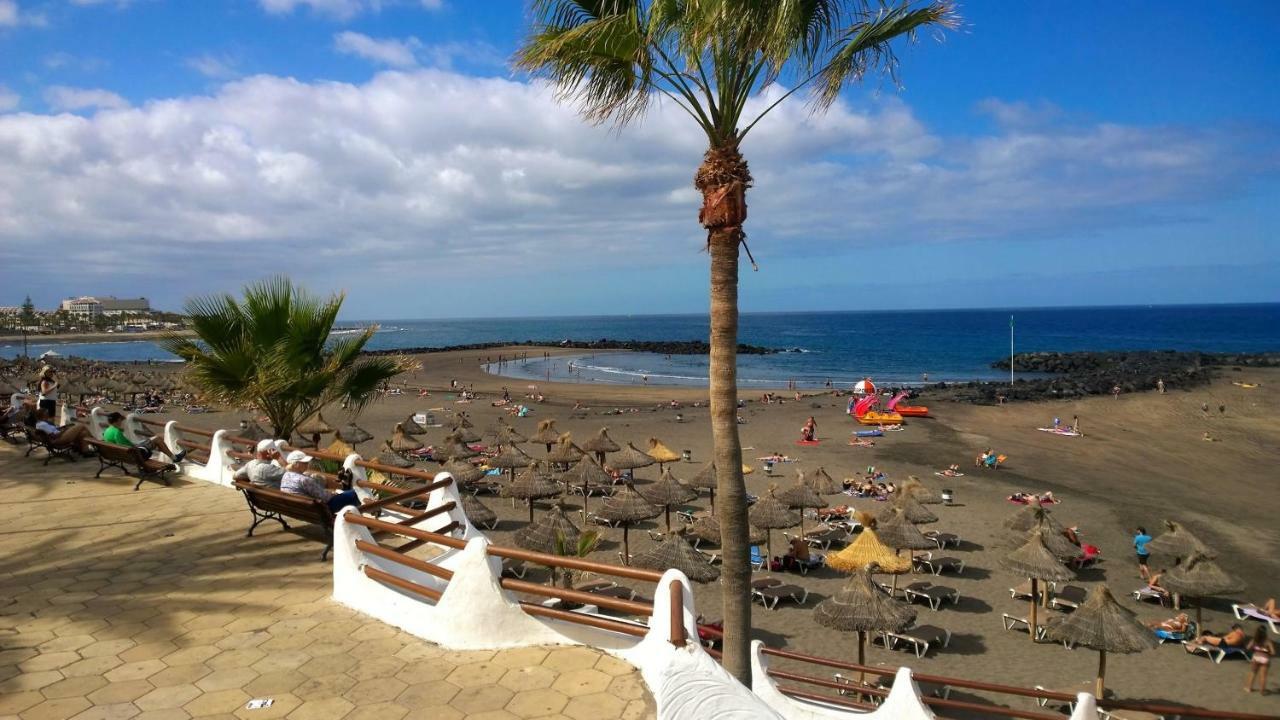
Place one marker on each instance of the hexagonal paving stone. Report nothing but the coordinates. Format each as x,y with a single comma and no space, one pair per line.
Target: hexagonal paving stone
375,691
59,709
222,701
140,670
66,643
92,666
120,692
274,683
610,665
29,681
147,651
475,674
375,668
103,648
73,687
479,699
628,687
536,703
173,696
436,692
179,675
332,708
226,679
581,682
115,711
639,710
48,661
591,707
378,711
15,702
424,671
573,658
190,655
528,678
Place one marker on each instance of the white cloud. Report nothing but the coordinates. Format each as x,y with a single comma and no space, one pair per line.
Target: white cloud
8,99
213,66
8,13
340,9
433,4
435,169
388,51
61,98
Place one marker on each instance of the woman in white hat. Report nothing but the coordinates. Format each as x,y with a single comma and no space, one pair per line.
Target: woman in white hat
298,482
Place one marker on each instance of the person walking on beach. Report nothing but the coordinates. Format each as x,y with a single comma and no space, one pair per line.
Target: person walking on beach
1160,386
48,390
1261,649
1140,541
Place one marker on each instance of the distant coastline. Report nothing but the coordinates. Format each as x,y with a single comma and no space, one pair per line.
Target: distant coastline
80,337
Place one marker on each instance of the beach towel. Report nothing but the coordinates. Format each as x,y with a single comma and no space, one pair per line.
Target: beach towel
868,433
1027,500
1066,431
940,473
808,442
862,443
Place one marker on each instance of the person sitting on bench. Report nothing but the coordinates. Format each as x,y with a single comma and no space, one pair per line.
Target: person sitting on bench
263,470
114,435
296,481
76,436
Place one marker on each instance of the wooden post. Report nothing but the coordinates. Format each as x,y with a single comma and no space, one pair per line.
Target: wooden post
1102,671
1032,628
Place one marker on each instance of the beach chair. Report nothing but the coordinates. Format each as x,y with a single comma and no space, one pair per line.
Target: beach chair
938,565
1163,636
943,539
1068,598
1216,653
1023,591
926,688
764,582
863,691
1247,611
1012,622
921,638
1090,554
758,560
770,596
825,539
1149,593
934,595
513,568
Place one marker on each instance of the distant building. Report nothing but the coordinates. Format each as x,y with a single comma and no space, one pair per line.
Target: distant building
90,308
10,310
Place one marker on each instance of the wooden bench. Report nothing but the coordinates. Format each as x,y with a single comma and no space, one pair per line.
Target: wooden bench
124,458
268,504
38,440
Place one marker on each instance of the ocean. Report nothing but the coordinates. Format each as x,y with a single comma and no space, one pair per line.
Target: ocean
897,347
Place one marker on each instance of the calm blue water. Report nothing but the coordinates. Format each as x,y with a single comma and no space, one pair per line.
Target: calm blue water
892,347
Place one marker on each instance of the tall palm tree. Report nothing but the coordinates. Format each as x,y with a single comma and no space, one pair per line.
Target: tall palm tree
612,58
273,350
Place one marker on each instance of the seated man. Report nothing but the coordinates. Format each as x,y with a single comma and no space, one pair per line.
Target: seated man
1174,624
114,435
296,481
76,436
800,554
263,470
1234,638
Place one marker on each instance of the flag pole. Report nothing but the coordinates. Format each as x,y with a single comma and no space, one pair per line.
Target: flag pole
1010,351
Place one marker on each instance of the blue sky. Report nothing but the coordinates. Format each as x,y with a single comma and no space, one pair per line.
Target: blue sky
1119,153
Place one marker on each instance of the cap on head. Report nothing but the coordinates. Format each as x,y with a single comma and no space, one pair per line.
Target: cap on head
297,456
267,445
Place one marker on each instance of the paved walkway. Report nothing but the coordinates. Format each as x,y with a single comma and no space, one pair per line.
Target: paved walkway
153,605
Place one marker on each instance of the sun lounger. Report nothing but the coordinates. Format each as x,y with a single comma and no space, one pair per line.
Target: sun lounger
885,682
864,691
943,539
1012,622
758,560
764,582
1023,591
594,585
921,638
1068,598
1147,593
1216,653
937,565
1163,636
825,539
595,519
514,568
934,595
1253,612
772,595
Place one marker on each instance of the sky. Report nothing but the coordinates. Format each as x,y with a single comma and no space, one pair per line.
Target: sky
1113,153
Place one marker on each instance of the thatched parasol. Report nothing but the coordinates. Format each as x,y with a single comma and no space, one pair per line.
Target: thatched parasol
770,513
705,479
250,430
464,422
630,458
859,607
1178,543
391,458
1035,561
585,474
540,536
801,496
674,552
661,453
822,483
400,440
353,434
477,512
303,442
453,448
510,458
707,527
911,509
1100,623
411,427
866,551
338,447
627,506
463,472
601,444
1029,517
313,428
531,485
546,434
1200,577
666,492
1054,539
565,452
465,433
897,532
505,434
918,490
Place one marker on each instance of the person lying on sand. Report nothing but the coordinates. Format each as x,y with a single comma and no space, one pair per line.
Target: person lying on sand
1174,624
1234,638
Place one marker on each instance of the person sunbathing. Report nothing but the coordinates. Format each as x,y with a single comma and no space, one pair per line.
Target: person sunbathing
952,471
1174,624
1153,584
982,459
1234,638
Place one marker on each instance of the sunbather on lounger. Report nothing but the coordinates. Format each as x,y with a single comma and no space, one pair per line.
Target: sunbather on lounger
1269,608
1153,584
1234,639
1174,624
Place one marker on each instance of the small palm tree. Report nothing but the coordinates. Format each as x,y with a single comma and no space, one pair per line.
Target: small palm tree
612,58
587,543
273,350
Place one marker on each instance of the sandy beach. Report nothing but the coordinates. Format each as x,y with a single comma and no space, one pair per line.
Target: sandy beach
1142,460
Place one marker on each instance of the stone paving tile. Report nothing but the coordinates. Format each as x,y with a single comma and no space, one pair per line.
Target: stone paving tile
154,606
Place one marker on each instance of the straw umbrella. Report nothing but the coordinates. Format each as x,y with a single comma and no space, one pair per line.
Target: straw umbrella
1054,539
463,472
510,458
391,458
1102,624
540,536
1178,543
400,440
630,458
464,422
1035,561
822,483
674,552
601,444
465,433
1200,577
705,479
565,452
868,550
859,607
896,531
801,496
455,449
661,453
314,428
707,528
584,474
505,434
546,434
911,510
769,514
627,506
411,427
250,430
353,434
531,485
918,490
477,512
1028,517
666,492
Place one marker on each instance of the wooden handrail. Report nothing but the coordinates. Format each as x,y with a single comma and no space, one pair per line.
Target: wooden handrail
405,495
413,587
397,557
630,607
595,621
676,601
152,423
838,701
413,516
415,544
831,684
185,429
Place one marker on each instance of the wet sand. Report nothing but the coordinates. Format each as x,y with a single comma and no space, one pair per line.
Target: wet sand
1142,460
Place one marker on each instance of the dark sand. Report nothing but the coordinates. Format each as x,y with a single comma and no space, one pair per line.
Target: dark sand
1142,460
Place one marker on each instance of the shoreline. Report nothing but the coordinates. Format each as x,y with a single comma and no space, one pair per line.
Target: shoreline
93,337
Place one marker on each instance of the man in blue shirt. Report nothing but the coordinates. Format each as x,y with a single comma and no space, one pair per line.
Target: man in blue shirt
1140,546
